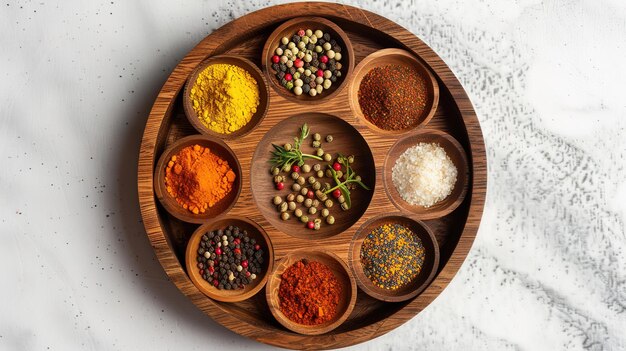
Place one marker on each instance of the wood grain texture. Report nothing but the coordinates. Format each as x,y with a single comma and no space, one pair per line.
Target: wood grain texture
340,270
429,267
368,32
394,57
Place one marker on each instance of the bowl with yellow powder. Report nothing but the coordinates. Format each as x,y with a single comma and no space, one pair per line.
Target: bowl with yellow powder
226,97
197,178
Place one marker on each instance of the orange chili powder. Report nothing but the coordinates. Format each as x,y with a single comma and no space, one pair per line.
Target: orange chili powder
309,293
197,178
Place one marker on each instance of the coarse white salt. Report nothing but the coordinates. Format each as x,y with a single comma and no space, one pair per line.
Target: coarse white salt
424,174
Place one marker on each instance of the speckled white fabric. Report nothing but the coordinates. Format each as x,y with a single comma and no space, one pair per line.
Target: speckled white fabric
548,268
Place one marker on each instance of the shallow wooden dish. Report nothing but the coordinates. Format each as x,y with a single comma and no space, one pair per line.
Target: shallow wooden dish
217,147
254,231
457,155
368,33
347,139
341,272
288,29
229,60
429,269
394,57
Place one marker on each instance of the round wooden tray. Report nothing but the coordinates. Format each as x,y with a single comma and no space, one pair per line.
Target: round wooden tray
368,33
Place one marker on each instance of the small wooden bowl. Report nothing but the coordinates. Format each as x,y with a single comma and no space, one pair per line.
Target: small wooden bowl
429,269
288,29
339,269
217,147
254,231
394,57
230,60
456,153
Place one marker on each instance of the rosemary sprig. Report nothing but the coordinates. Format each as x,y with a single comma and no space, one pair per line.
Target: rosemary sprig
284,159
350,177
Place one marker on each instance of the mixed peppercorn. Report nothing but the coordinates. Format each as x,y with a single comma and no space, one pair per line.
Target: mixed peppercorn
392,256
229,259
308,62
309,188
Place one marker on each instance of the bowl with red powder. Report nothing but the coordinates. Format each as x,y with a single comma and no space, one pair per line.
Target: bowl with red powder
197,178
311,292
393,92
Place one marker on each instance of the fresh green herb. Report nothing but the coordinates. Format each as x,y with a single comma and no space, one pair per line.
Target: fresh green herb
351,177
282,157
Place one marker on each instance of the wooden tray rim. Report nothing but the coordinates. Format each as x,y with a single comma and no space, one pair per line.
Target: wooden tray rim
209,46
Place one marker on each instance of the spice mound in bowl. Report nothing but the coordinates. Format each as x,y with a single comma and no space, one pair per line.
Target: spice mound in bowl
225,97
393,96
308,62
228,258
424,174
392,256
198,179
309,293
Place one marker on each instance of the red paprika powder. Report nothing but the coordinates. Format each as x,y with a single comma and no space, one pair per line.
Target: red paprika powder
309,293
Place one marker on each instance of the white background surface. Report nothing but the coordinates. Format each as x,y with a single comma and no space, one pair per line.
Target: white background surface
547,271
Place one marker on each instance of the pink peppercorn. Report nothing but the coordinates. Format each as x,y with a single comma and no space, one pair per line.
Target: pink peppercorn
324,59
319,73
288,77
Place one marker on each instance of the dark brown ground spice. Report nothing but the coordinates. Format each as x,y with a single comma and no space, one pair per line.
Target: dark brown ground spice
393,97
309,293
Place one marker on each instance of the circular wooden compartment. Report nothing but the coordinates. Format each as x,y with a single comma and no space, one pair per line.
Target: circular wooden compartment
368,33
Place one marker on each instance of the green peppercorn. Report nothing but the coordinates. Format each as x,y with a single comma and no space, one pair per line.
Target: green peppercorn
277,200
330,219
308,203
292,205
299,198
312,180
329,173
284,207
304,218
304,191
306,168
329,138
317,226
328,203
275,170
316,144
286,168
357,178
350,159
320,195
320,174
317,220
317,137
317,167
278,179
291,197
316,203
312,210
344,206
297,213
327,157
284,216
325,212
296,187
301,180
289,85
317,185
287,147
319,152
295,175
341,199
339,174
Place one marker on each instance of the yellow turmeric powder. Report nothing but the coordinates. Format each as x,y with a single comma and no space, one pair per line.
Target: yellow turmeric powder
198,179
225,97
